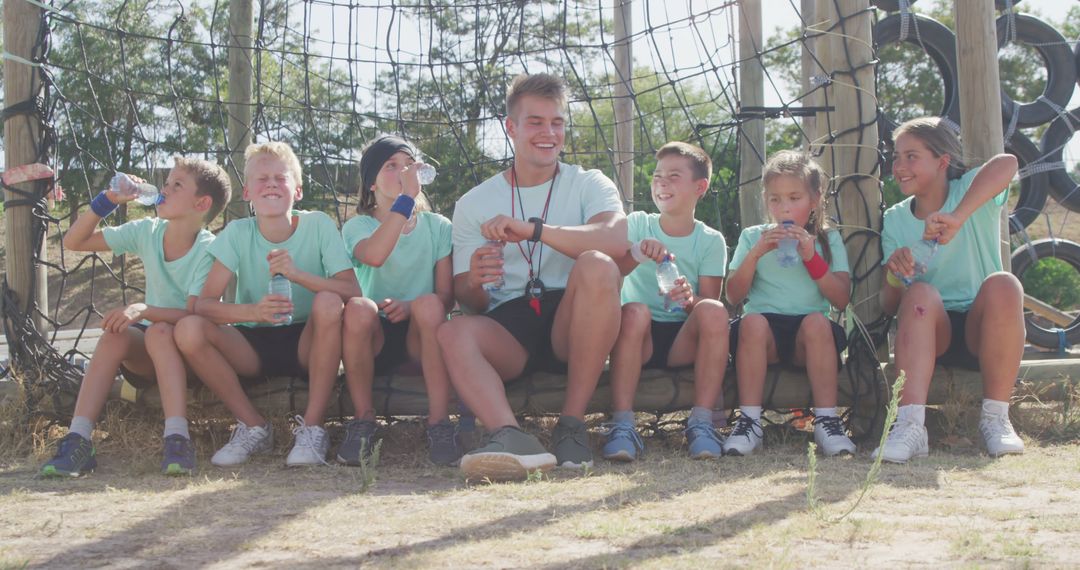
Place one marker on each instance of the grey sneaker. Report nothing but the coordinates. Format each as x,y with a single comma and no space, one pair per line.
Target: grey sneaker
571,441
442,445
359,441
510,454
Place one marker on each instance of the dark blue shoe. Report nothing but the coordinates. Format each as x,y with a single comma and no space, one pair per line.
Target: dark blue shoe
704,441
624,443
74,458
179,456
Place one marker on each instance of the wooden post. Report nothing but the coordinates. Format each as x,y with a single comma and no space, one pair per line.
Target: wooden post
241,71
22,135
853,158
624,102
979,89
809,69
752,131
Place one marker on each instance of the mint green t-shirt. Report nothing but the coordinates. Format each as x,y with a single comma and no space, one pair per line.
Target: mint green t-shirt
168,283
785,290
703,253
960,266
409,271
576,196
315,247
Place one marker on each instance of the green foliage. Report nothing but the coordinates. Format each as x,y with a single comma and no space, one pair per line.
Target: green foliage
1053,281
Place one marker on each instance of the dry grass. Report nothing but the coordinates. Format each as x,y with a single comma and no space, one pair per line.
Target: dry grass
957,507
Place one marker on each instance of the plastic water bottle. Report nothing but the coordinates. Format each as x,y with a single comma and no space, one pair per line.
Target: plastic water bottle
922,251
787,251
497,285
280,285
425,174
145,193
666,274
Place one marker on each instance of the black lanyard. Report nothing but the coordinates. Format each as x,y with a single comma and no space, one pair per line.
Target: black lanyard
535,287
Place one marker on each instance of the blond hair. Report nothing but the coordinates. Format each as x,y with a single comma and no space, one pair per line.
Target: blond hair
210,180
543,85
700,163
279,150
940,138
802,166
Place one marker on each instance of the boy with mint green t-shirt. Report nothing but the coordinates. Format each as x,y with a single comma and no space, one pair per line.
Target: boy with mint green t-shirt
685,326
173,249
263,333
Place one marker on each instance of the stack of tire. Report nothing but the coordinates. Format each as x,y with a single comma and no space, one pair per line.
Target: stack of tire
1042,170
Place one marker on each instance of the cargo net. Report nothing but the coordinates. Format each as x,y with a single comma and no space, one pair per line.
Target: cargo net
122,85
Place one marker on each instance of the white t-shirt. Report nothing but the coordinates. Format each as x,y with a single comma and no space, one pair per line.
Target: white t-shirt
578,195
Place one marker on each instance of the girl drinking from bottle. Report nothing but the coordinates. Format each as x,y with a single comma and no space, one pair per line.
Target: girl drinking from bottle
401,252
787,301
945,314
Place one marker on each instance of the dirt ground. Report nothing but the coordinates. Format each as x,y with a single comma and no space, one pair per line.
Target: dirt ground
956,508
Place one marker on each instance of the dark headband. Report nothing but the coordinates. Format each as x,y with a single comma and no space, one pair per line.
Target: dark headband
377,153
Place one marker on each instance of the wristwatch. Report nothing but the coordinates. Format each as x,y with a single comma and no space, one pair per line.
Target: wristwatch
538,228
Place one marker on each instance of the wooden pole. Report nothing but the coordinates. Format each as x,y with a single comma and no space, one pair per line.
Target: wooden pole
752,131
853,160
624,102
809,69
241,71
22,135
979,89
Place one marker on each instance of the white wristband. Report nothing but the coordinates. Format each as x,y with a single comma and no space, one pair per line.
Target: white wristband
635,252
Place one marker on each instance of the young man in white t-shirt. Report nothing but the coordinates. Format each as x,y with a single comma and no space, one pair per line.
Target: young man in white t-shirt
560,226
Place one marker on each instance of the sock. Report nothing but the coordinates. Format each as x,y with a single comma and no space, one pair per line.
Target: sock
824,412
994,407
700,415
914,413
623,417
83,426
176,425
752,412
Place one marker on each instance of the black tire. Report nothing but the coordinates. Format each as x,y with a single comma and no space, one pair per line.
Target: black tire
894,5
939,43
1060,64
1062,186
1025,257
1033,188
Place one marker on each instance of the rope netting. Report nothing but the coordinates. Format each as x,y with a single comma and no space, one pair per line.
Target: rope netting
126,84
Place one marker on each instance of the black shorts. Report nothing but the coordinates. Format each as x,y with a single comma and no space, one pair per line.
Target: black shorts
958,354
532,331
395,350
784,329
663,337
278,348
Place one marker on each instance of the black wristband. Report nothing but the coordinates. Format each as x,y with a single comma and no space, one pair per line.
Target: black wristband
538,228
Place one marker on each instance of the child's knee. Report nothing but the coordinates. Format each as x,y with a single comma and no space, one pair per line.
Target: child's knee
712,318
636,318
1003,288
428,311
816,327
326,308
753,328
190,333
361,315
159,334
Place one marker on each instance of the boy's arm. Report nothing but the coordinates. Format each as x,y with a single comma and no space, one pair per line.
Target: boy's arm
210,305
991,179
120,318
83,235
343,283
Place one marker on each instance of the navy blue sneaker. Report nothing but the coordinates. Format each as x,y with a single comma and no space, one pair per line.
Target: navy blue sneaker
179,458
624,443
74,458
704,441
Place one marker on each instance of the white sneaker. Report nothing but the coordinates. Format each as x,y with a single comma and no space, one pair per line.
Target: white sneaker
310,446
830,437
906,440
744,438
999,435
244,441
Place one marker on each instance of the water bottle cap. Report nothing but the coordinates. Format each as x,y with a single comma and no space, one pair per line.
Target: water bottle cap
159,200
667,257
788,223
